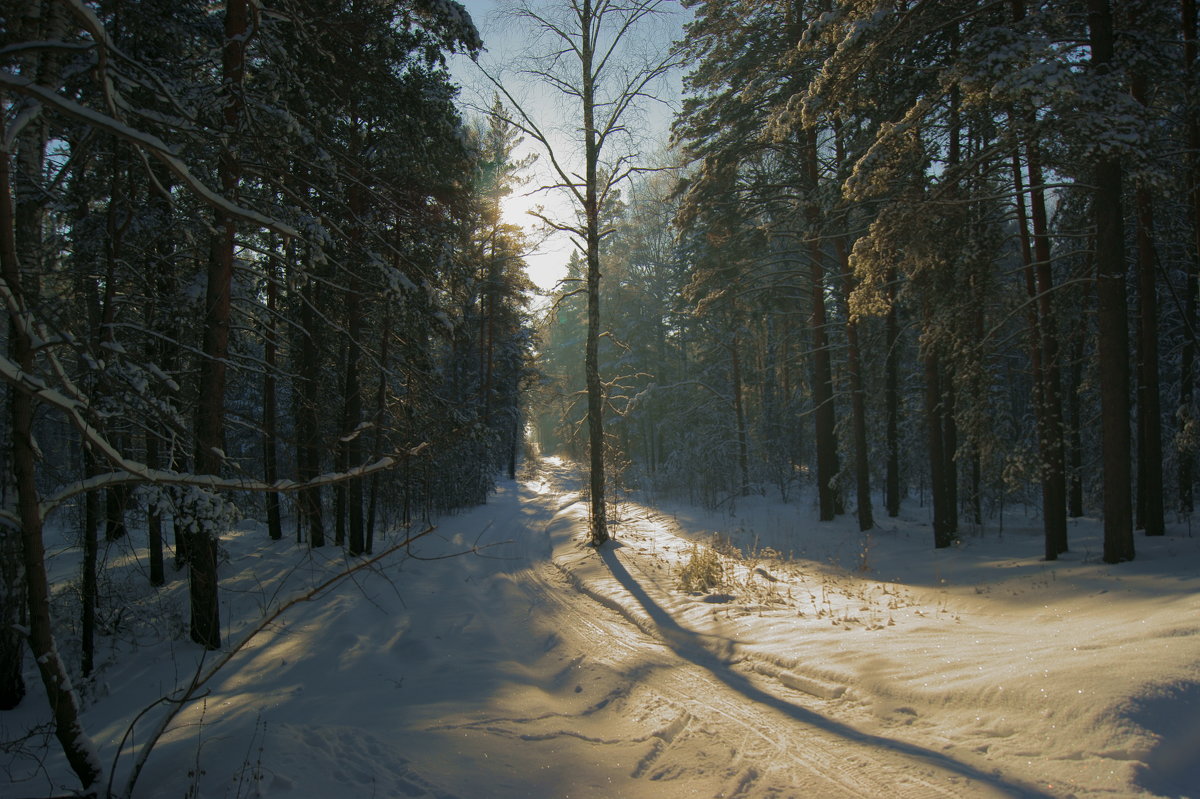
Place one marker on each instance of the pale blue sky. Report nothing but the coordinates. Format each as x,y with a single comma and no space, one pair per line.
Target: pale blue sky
504,42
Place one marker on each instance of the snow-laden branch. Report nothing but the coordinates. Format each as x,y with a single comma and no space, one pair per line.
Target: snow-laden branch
138,473
26,115
127,471
156,146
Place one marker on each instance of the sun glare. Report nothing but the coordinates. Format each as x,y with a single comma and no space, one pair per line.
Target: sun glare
547,260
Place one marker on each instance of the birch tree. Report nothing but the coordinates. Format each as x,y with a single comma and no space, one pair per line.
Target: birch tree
587,52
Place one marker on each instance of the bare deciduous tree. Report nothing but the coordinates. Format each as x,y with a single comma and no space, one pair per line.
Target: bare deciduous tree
587,51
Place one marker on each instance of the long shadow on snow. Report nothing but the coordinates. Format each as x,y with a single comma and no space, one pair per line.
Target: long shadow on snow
687,644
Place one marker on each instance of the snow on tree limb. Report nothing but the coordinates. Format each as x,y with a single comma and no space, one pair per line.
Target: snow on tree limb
150,142
137,473
131,472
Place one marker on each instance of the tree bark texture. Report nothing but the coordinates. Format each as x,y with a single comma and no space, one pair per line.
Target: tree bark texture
935,430
352,395
595,398
378,438
87,579
1112,318
892,397
858,402
1051,431
270,406
1075,422
824,414
64,704
1149,513
210,411
739,416
1185,477
308,431
13,618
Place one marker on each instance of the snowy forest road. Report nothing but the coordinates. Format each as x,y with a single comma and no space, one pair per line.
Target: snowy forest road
581,701
501,657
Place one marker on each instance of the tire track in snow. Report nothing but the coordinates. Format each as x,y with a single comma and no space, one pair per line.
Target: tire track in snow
773,753
780,748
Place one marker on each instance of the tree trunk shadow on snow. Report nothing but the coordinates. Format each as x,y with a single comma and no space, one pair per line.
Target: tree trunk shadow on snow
690,646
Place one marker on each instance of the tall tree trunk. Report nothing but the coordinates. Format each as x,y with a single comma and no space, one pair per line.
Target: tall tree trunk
23,236
976,489
1112,318
943,532
946,409
116,498
949,368
1054,510
1036,356
976,454
739,415
351,421
270,404
824,415
101,314
158,353
380,410
154,518
308,432
165,351
64,704
595,398
352,448
1187,367
13,617
210,410
87,580
858,402
1149,511
340,464
515,448
490,291
1044,356
1075,422
202,546
13,612
892,396
862,468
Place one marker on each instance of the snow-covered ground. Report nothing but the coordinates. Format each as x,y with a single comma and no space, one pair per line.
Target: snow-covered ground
824,663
